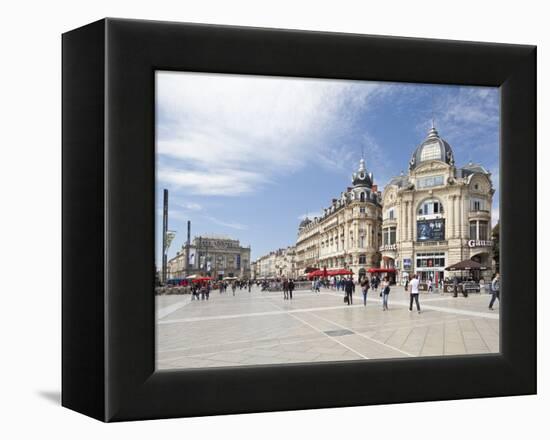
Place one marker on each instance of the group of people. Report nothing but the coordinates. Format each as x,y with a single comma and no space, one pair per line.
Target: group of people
349,288
288,288
200,291
235,284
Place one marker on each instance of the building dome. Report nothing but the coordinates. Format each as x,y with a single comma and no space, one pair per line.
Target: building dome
433,148
361,177
305,222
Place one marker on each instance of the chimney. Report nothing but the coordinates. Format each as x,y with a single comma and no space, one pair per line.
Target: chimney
375,188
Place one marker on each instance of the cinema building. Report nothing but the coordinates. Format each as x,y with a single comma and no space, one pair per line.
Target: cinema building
436,215
348,234
216,256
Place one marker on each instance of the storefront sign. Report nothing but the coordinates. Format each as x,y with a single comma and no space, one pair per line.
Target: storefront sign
430,230
479,243
388,247
407,263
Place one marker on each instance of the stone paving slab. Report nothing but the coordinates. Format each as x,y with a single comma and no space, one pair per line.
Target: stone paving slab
262,328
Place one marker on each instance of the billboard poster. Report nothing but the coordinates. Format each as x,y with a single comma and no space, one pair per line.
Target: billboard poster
430,230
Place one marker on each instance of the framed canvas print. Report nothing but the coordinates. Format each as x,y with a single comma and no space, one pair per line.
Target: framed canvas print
262,220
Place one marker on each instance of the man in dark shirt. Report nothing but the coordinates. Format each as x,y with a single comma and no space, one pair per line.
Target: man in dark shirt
349,288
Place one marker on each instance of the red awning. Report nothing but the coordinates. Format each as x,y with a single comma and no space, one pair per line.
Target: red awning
315,273
339,272
381,270
329,273
201,279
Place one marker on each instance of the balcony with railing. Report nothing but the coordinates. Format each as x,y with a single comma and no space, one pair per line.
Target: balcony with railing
484,214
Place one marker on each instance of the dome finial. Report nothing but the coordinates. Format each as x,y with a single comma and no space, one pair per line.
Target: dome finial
362,165
433,132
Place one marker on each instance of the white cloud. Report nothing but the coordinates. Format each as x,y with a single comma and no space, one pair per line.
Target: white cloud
222,182
229,134
471,115
232,225
192,206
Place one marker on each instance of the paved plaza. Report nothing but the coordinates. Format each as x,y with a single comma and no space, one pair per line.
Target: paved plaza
262,328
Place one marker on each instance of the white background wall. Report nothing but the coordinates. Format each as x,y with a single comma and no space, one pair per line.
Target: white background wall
30,234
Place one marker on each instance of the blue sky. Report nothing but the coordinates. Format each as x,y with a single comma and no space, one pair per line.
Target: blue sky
249,156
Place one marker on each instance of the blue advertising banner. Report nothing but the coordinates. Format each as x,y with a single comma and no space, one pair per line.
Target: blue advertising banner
430,230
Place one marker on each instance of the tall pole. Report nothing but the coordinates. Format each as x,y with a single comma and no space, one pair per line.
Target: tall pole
187,248
164,235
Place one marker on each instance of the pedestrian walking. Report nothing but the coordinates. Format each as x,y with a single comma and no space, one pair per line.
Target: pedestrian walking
290,288
375,283
365,288
349,287
385,293
455,287
233,287
285,289
318,286
495,290
414,294
406,285
249,285
430,286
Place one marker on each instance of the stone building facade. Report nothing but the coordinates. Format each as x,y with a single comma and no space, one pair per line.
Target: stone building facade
215,256
277,264
436,215
348,234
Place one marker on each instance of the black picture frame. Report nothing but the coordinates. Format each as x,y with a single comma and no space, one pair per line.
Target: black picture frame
108,219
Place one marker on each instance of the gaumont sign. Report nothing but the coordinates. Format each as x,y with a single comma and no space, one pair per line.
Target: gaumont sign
479,243
388,247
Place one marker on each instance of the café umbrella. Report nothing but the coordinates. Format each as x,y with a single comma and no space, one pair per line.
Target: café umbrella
466,265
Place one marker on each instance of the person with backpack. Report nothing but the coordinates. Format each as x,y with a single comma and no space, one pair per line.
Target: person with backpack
385,293
495,290
365,288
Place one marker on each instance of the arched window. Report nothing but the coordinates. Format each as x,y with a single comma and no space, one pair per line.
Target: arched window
362,259
362,196
430,207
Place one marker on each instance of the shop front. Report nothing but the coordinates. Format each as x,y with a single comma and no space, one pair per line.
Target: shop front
430,266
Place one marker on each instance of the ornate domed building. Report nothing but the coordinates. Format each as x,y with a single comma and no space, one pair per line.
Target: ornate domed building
436,215
347,235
